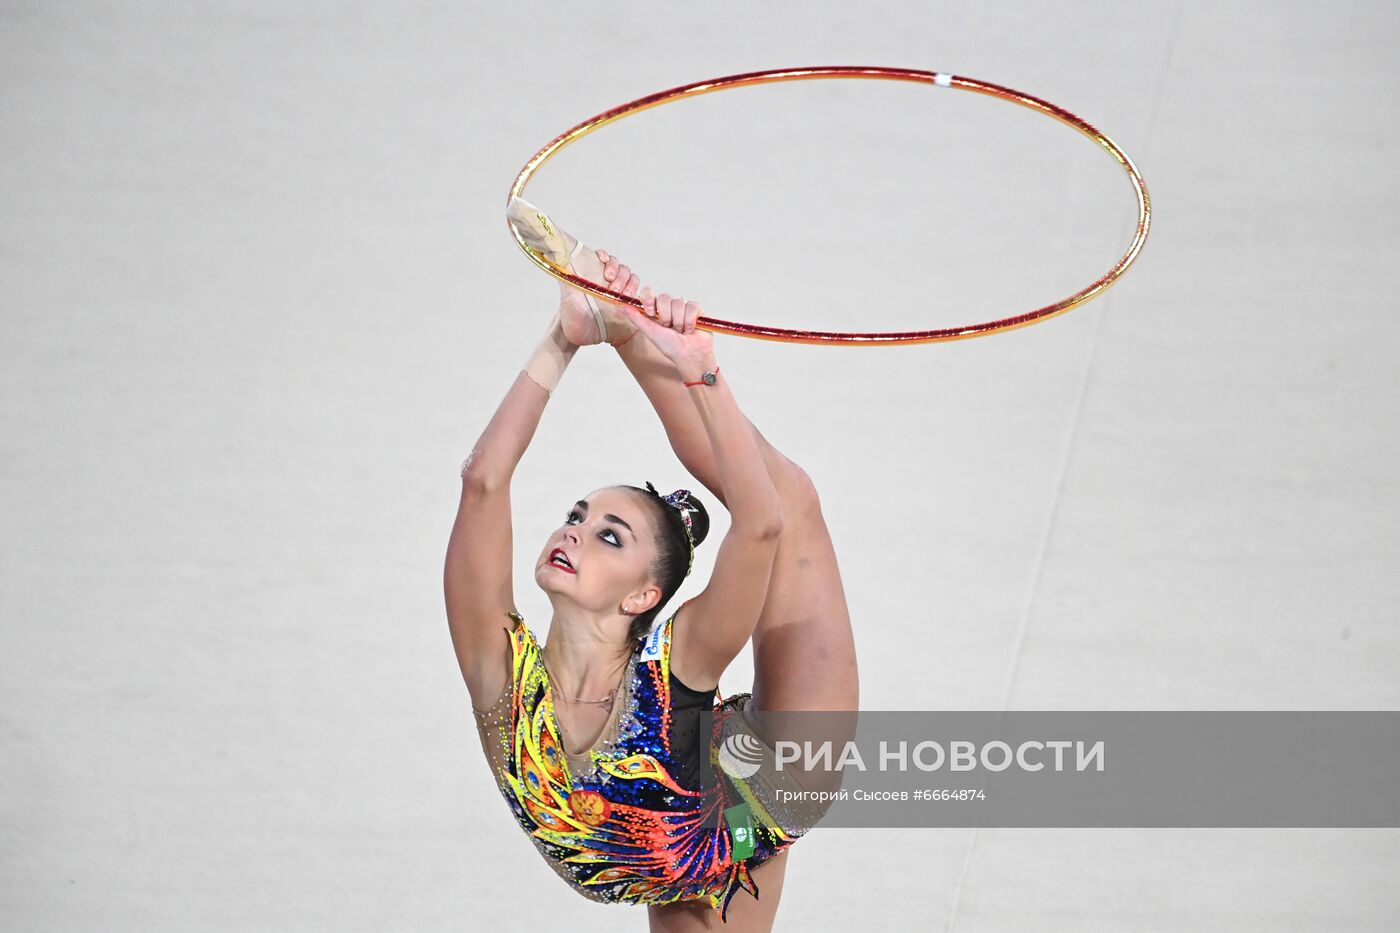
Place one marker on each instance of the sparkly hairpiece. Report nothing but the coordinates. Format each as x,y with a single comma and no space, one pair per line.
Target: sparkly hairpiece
676,500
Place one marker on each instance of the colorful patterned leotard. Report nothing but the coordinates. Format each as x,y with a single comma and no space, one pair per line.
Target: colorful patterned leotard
639,818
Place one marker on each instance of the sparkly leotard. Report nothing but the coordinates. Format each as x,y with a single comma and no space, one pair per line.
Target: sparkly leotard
638,818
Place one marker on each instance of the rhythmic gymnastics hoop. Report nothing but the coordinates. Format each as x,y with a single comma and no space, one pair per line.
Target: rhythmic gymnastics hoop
937,79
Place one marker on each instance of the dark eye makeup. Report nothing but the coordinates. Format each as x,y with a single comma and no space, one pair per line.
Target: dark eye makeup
615,541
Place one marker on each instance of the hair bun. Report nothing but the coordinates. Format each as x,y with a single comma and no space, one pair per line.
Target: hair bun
683,500
699,518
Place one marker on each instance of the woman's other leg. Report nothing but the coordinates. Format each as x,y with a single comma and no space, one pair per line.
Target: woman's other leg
746,915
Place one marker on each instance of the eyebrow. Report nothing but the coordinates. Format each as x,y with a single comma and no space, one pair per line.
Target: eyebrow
583,507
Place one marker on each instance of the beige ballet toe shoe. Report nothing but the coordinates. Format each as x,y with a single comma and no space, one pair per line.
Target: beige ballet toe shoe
542,234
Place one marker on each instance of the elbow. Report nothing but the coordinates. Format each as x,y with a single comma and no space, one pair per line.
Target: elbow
773,526
766,528
480,481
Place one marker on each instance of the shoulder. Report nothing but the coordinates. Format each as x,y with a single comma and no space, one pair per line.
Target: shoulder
500,668
666,643
656,645
516,628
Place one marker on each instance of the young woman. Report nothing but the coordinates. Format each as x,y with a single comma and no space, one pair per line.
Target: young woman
598,739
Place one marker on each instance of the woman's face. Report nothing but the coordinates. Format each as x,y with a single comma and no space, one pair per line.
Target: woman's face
601,556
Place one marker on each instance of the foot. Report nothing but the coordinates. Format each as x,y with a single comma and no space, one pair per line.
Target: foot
586,318
580,323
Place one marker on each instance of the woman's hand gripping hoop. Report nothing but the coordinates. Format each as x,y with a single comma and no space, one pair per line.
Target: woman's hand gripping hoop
669,323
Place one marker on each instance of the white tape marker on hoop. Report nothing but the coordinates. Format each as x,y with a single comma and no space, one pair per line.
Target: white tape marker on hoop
943,80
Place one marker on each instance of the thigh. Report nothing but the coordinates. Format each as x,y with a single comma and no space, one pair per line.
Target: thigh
803,647
746,915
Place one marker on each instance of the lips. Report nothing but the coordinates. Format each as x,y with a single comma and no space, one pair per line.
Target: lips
560,560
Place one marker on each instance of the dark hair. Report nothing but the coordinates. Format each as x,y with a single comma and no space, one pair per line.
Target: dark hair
672,551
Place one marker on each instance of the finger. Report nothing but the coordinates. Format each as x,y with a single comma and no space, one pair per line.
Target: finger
663,310
678,313
602,255
610,269
620,279
692,314
630,289
646,321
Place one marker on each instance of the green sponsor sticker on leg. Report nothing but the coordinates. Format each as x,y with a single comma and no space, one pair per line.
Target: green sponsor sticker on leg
740,820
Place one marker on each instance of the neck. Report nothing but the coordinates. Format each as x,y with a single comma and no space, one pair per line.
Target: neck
583,655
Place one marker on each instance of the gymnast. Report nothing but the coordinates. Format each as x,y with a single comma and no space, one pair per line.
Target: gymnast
602,739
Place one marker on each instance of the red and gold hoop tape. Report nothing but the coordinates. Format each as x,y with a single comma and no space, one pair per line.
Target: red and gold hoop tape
937,79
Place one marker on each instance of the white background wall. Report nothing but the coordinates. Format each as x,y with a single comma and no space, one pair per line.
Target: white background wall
258,300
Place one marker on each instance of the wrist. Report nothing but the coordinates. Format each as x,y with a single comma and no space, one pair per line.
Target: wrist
550,357
691,369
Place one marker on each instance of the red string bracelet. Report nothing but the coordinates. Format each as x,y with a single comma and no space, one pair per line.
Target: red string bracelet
706,382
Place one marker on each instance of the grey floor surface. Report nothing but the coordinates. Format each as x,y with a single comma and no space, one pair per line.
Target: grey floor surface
258,299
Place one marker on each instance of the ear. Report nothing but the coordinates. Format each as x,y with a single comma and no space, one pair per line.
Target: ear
639,601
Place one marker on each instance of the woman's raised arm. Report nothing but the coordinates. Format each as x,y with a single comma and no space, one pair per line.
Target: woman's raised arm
477,571
721,619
